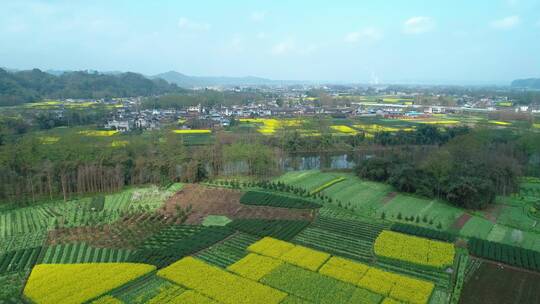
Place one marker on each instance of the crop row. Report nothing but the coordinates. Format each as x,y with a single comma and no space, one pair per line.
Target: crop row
141,290
507,254
229,251
423,232
82,253
22,241
280,229
174,251
276,200
355,228
170,235
14,261
336,243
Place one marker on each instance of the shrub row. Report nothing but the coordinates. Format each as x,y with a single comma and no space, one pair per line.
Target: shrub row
424,232
276,200
507,254
18,260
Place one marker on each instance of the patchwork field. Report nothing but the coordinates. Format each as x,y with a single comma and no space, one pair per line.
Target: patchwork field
305,237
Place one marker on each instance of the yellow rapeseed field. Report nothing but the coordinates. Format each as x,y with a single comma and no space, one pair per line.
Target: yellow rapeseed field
98,133
254,266
414,249
270,247
188,131
344,129
78,283
500,123
218,284
119,143
271,125
48,140
305,257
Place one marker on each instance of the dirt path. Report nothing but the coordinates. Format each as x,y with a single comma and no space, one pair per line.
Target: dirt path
216,201
461,221
390,196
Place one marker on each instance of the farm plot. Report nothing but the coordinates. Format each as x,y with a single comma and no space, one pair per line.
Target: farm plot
363,196
500,285
83,253
18,260
128,232
423,212
414,250
219,284
78,283
260,198
172,251
205,201
349,238
477,227
280,229
308,180
23,241
25,221
306,273
229,251
150,288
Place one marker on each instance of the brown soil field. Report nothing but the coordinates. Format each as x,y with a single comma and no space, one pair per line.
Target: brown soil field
206,201
128,232
498,284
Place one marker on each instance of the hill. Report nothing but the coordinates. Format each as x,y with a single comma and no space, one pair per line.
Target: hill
530,83
186,81
19,87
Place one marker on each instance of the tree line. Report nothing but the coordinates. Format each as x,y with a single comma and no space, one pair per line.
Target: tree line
34,85
468,171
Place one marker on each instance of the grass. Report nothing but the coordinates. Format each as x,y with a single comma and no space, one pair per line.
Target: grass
364,196
309,180
414,206
216,220
477,227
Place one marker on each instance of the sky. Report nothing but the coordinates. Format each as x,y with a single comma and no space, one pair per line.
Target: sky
393,41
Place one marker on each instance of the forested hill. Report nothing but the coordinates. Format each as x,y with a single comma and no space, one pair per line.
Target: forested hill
531,83
33,85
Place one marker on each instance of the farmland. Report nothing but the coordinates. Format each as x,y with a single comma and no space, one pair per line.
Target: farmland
305,237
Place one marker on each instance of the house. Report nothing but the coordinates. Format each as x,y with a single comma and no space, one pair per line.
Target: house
121,126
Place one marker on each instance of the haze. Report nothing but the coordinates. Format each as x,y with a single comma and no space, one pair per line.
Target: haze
436,42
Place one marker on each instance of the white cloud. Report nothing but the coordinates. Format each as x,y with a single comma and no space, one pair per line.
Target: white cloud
418,25
284,47
236,44
512,2
291,47
366,34
506,23
187,24
257,16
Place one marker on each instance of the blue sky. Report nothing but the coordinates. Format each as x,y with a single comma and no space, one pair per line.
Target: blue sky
462,42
